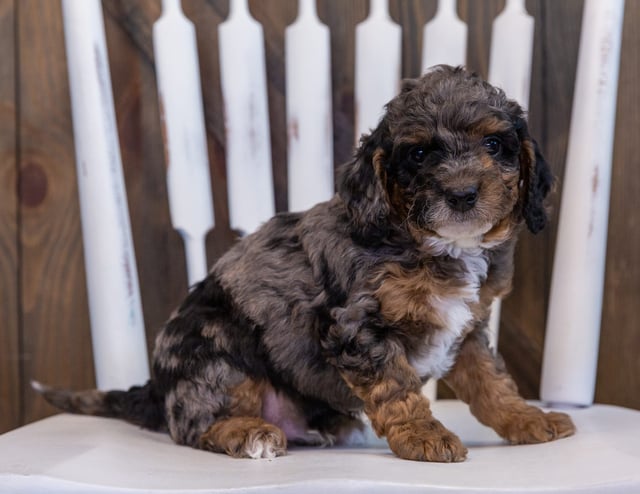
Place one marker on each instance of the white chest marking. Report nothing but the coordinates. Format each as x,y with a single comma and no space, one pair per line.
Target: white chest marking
436,357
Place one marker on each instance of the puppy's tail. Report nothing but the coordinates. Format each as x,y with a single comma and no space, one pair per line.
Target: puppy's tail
140,405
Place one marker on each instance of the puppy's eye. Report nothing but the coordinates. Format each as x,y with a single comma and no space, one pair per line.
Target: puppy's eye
492,144
418,154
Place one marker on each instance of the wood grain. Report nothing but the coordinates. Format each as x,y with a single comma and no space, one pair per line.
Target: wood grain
10,378
274,22
618,378
43,277
412,16
479,16
342,25
55,333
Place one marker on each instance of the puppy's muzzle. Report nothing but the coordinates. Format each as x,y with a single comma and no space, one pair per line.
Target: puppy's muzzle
462,200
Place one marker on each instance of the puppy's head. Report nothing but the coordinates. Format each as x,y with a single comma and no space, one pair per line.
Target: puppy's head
452,159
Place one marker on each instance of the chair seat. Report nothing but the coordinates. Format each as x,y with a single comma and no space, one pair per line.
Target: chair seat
71,454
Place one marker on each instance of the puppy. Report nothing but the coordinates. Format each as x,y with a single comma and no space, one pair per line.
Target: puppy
354,304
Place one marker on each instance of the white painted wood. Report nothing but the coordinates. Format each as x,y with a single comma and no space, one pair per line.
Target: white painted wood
512,51
510,69
444,37
117,326
72,454
309,116
573,322
430,390
378,63
248,146
494,323
185,142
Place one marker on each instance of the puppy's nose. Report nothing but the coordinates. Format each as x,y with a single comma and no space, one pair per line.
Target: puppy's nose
462,199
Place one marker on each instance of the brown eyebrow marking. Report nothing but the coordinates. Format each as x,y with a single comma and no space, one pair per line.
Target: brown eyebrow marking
490,126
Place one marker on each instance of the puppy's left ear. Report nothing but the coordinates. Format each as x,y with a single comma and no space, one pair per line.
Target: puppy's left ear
536,182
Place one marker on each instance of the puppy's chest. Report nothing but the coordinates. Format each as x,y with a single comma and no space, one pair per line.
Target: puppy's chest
434,306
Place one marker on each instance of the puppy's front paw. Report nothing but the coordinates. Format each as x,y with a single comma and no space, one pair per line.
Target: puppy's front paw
535,426
424,440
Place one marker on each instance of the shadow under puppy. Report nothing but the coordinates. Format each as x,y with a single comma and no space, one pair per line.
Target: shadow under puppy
355,303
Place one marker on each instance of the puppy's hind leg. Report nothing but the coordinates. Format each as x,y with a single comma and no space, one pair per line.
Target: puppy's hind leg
220,411
245,434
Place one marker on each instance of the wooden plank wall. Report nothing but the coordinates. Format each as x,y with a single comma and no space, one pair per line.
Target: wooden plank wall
10,377
45,327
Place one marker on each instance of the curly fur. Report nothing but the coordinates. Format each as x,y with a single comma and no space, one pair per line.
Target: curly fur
353,304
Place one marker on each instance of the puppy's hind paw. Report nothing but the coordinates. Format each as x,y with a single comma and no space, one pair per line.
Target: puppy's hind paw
264,444
245,437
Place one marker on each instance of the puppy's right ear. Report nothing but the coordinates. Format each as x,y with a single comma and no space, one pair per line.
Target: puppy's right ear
361,185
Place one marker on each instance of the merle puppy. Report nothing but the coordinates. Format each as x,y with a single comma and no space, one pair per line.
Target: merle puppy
355,303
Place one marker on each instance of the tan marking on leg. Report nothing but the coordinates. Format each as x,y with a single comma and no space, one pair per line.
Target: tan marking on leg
479,379
245,399
398,410
244,437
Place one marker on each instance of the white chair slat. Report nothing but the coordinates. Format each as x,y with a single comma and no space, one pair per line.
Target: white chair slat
444,37
309,115
575,309
377,67
248,146
185,142
512,51
117,325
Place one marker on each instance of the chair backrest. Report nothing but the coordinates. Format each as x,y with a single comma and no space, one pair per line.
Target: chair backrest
310,144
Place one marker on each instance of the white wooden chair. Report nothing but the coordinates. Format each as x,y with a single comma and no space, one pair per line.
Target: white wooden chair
70,454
